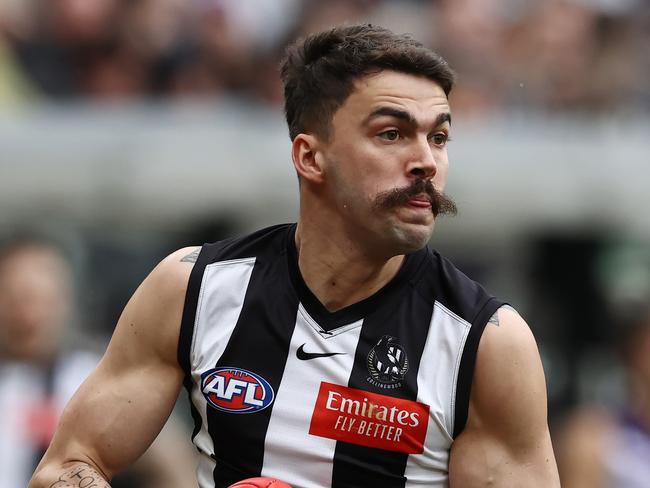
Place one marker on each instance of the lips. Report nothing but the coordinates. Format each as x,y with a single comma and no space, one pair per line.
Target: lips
420,201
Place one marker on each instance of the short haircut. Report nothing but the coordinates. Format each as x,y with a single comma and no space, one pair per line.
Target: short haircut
319,71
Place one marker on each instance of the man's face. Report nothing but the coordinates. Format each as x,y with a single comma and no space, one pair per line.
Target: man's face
388,141
35,301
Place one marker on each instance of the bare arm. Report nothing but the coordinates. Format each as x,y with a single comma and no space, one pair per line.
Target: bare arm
506,442
124,403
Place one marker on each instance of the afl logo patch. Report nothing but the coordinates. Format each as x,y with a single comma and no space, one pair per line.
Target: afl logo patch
387,363
236,390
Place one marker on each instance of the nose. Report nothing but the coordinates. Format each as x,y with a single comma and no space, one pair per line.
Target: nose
422,163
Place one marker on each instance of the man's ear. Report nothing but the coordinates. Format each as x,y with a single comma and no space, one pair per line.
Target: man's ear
307,158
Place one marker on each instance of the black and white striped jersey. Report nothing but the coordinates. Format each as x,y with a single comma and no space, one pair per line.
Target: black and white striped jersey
368,396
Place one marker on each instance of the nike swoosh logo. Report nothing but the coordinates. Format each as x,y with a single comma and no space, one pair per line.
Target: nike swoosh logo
306,356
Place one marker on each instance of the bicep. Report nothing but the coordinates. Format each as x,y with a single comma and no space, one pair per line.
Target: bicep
114,416
506,441
479,459
124,403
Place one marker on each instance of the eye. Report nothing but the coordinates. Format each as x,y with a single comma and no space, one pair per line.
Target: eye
440,139
390,135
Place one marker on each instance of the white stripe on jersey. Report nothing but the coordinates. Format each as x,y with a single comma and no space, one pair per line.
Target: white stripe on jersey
221,299
437,388
289,426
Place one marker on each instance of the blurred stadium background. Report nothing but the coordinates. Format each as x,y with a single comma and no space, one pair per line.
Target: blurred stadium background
129,128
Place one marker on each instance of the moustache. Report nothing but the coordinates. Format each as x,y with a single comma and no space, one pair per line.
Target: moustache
441,204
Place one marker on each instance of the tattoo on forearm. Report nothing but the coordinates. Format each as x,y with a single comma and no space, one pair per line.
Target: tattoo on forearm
495,318
192,257
81,477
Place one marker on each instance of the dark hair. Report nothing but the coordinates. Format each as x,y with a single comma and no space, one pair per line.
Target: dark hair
319,71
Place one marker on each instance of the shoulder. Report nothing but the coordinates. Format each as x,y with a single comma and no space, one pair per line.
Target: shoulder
509,388
266,242
169,278
507,331
445,283
152,317
506,439
167,282
178,261
176,267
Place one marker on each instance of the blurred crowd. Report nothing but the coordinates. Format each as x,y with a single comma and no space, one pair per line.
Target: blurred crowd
576,55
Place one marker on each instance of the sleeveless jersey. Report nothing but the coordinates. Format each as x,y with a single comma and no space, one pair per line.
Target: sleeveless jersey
370,395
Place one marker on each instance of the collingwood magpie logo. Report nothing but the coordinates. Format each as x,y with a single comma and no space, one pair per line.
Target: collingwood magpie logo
387,363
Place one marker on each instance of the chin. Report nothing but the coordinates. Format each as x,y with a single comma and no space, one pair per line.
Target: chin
406,239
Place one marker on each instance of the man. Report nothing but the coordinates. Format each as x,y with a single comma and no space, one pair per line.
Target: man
39,372
37,377
339,351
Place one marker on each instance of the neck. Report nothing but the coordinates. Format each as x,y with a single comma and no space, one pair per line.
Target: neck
337,269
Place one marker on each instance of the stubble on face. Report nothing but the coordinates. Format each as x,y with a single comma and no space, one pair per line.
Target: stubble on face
363,164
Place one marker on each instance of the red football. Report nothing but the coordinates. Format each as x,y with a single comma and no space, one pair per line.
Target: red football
260,483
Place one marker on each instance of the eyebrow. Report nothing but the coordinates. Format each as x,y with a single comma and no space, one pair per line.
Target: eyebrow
406,116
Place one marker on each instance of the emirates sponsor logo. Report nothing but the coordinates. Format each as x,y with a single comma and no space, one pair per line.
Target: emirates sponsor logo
369,419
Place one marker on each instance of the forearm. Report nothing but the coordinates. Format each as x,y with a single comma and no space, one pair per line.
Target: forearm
73,475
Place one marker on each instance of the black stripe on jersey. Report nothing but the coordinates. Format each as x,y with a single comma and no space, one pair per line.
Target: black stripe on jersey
406,318
260,344
467,363
187,331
